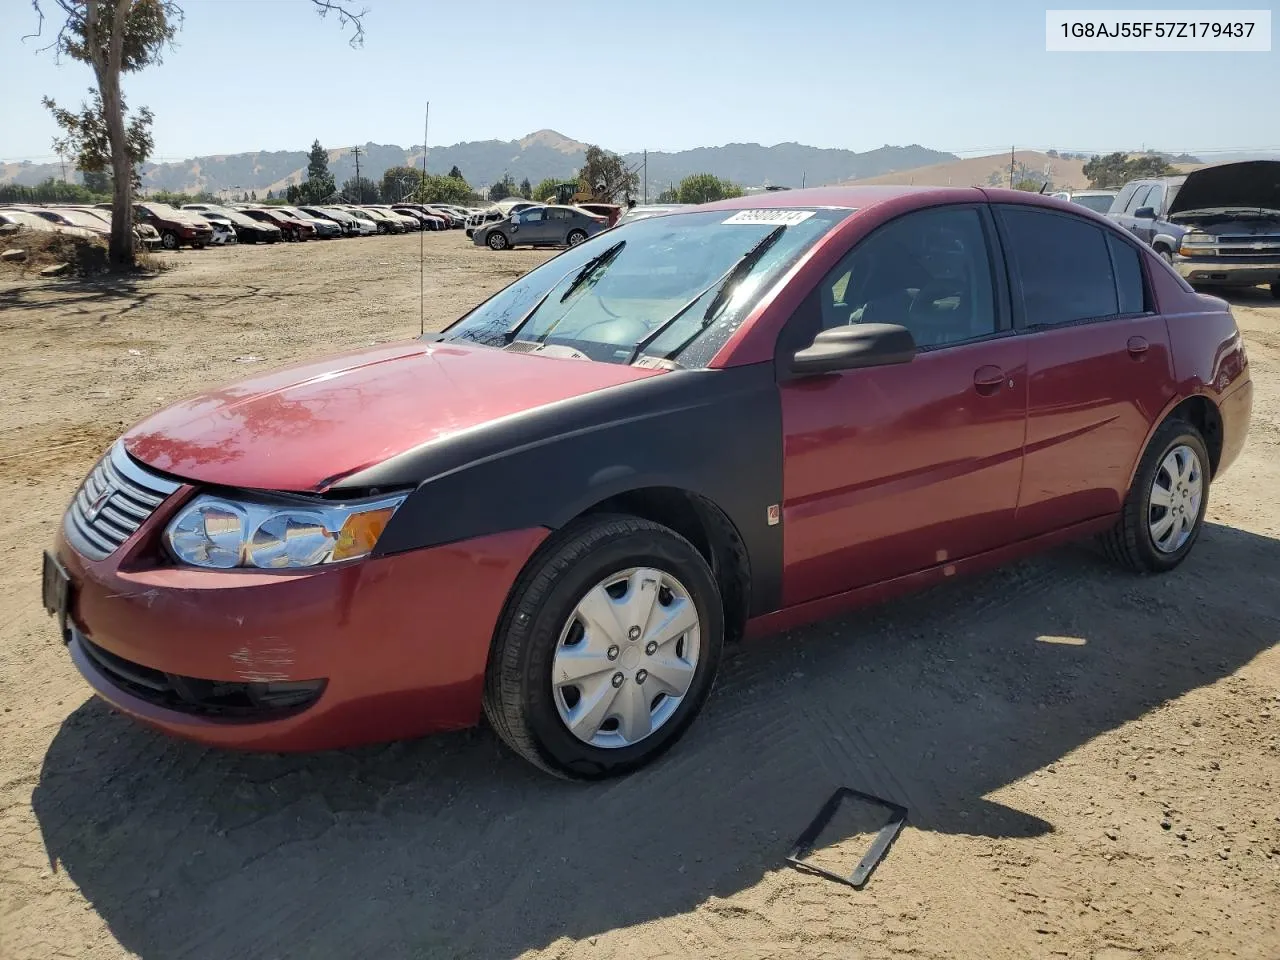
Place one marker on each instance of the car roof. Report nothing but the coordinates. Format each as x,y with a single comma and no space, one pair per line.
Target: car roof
855,198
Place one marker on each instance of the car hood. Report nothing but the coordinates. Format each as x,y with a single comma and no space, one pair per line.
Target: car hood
1250,183
304,427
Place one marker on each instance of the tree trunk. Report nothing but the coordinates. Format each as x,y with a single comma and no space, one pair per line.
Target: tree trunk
107,64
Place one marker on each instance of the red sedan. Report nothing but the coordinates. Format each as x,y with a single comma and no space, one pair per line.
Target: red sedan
726,421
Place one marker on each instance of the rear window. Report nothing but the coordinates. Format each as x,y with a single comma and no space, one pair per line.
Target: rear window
1063,266
1096,203
1128,273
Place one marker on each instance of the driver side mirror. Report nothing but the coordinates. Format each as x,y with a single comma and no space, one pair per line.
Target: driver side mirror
1145,213
854,346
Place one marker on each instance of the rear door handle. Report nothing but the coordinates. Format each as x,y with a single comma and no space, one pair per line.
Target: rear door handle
1137,347
988,379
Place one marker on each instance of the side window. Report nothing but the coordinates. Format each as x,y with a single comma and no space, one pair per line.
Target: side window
1063,265
529,216
557,214
1128,273
1155,198
1139,197
927,271
1121,204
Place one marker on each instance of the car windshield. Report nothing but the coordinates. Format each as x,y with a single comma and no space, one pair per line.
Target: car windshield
1099,203
668,266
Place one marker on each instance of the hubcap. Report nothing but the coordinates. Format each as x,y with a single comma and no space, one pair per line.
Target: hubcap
626,657
1176,494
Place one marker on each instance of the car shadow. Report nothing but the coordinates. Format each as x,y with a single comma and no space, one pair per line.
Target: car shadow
450,846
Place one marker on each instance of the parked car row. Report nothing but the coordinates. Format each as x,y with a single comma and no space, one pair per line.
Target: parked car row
74,220
199,225
1218,226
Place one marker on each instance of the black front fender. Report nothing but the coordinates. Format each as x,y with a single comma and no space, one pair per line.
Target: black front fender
714,433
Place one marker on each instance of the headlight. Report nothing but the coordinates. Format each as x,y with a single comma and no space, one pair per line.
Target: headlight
1198,239
223,533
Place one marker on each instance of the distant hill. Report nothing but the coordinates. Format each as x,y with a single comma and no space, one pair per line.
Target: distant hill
980,171
542,154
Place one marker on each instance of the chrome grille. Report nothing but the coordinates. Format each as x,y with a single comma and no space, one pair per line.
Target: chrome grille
1249,246
115,499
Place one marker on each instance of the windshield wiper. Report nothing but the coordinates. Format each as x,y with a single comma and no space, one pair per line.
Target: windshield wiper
604,258
722,285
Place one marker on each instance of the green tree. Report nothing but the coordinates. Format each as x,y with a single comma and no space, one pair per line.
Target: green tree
362,190
506,187
1109,171
669,195
706,187
270,195
117,37
1029,185
1150,165
97,181
526,189
400,182
319,185
545,190
456,173
51,190
606,176
437,189
1116,169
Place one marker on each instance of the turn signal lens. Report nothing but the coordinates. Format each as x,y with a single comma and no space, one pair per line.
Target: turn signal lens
360,532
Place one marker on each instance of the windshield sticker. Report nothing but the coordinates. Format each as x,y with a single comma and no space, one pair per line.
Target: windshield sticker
771,217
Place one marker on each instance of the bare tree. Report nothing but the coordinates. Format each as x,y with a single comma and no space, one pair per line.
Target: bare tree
115,37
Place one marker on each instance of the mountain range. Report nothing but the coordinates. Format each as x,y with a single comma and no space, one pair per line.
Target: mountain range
542,154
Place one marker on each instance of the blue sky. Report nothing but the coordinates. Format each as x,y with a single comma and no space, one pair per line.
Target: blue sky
969,77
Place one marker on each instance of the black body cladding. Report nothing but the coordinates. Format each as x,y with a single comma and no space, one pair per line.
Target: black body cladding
714,433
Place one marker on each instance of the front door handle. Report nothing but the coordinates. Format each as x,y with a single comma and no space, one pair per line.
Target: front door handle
988,379
1137,347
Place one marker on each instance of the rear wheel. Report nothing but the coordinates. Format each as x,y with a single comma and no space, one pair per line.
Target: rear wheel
607,650
1164,510
576,237
497,240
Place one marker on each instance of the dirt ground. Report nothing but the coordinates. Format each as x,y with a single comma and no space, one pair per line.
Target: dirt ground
1091,760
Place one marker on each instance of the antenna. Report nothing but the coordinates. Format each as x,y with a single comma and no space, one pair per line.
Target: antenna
422,270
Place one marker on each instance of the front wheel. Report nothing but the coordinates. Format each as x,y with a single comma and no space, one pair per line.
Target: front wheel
1275,290
1164,255
607,650
1164,510
169,240
576,237
497,240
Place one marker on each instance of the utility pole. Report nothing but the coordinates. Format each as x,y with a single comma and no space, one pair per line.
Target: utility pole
360,183
646,175
422,257
1011,162
803,175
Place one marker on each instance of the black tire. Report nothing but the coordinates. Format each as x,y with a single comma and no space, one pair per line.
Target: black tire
1275,290
497,240
575,237
1165,255
169,240
1130,542
197,245
518,698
